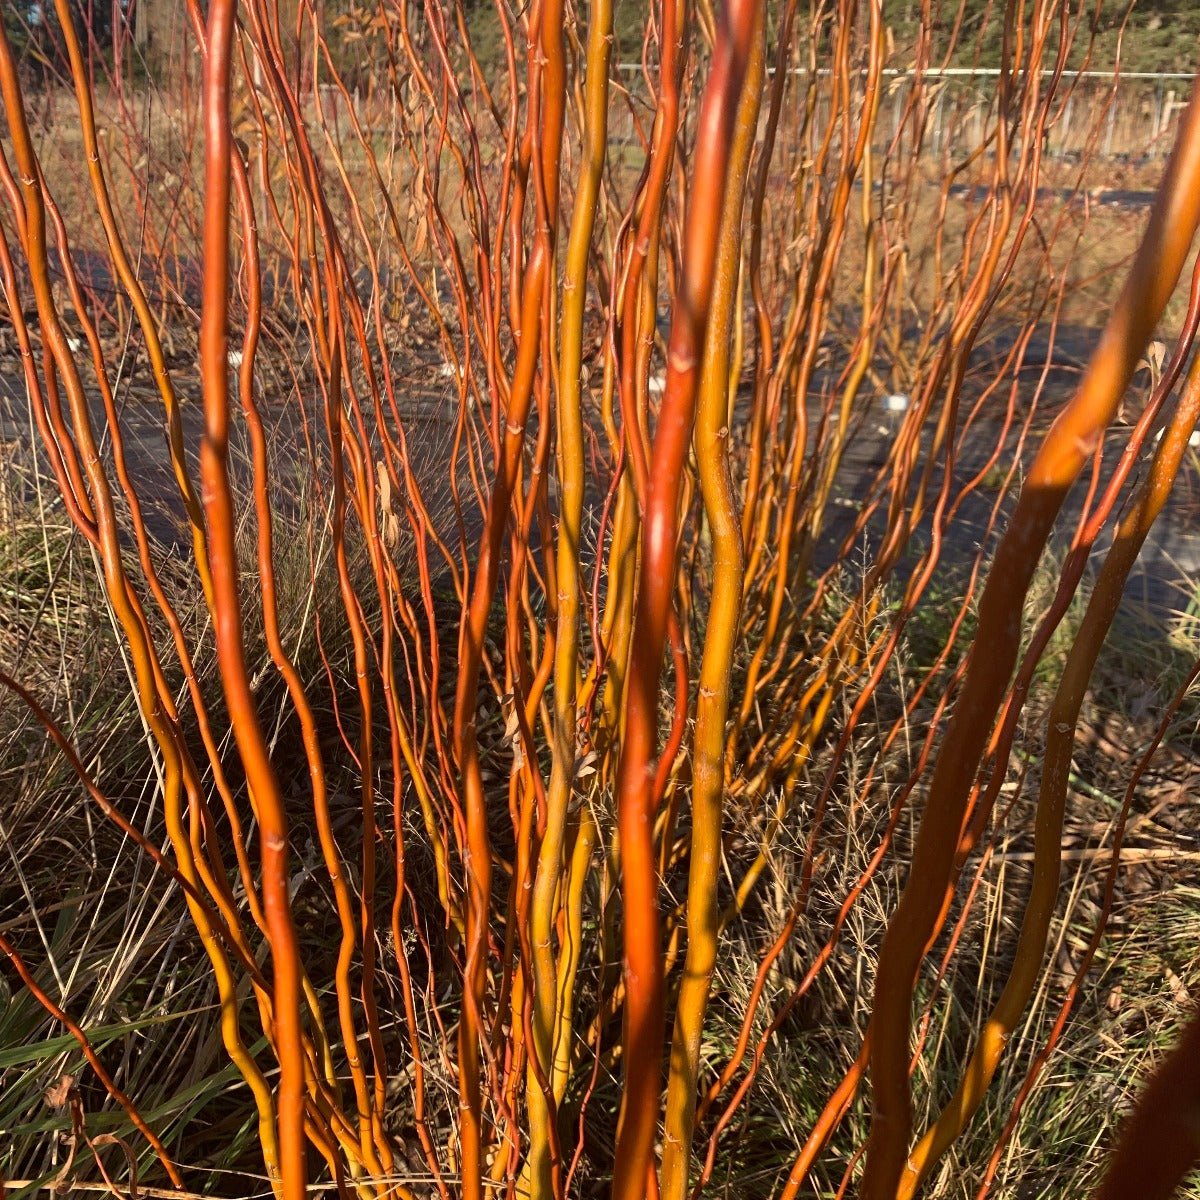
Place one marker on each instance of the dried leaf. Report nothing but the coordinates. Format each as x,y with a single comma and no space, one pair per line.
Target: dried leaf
59,1093
1179,989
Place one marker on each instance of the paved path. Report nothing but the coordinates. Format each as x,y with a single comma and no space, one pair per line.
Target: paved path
1164,581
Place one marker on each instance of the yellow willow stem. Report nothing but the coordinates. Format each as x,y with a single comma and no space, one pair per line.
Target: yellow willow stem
571,942
1061,723
720,640
618,618
607,670
547,1011
1070,442
227,619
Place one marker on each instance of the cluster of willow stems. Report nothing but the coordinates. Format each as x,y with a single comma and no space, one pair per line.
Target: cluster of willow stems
609,627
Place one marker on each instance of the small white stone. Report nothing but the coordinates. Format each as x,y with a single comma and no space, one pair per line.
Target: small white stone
658,384
897,402
235,358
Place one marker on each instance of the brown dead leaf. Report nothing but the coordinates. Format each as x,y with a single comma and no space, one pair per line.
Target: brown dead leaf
1179,990
59,1093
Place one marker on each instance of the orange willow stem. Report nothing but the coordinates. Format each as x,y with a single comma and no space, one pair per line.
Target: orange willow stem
1160,1143
712,439
137,295
35,990
446,199
227,617
636,798
1067,446
179,773
478,853
279,655
634,312
1061,723
1121,826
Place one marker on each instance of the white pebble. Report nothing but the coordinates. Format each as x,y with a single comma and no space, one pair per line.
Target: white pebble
1193,440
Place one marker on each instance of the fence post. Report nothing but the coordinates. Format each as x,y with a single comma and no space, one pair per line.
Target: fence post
1065,132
